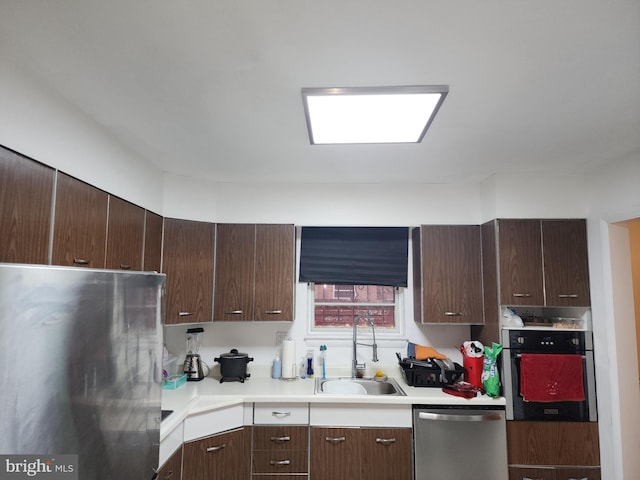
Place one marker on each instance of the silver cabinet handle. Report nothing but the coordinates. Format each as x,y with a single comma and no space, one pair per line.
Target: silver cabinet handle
385,441
234,312
81,261
568,295
185,314
273,312
453,314
280,463
522,295
124,266
215,449
335,439
281,414
280,439
485,417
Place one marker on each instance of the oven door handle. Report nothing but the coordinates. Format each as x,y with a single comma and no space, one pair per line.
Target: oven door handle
519,355
485,417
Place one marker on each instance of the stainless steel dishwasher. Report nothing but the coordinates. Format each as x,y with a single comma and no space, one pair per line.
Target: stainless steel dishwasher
456,443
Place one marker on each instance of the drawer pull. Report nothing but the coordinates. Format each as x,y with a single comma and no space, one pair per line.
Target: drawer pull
273,312
280,439
233,312
215,449
169,474
452,314
185,314
522,295
335,439
281,414
124,266
568,295
280,463
386,441
80,261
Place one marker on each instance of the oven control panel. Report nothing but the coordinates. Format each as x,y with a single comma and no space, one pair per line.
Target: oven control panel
545,340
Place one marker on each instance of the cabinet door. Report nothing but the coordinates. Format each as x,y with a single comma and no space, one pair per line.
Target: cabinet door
566,268
26,189
553,443
520,262
335,453
172,469
577,473
452,274
235,255
386,454
152,242
125,233
187,261
80,225
220,456
541,473
275,272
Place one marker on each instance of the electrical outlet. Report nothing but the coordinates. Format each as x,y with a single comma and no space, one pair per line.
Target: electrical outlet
280,336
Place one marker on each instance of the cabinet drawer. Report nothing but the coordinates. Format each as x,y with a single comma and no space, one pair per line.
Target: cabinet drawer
281,461
281,413
280,438
276,476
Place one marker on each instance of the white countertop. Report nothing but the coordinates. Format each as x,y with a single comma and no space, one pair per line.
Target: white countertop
209,394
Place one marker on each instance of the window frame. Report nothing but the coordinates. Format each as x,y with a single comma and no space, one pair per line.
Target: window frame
343,333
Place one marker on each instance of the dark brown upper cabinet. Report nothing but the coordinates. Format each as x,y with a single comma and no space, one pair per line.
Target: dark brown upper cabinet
152,242
125,234
520,262
543,262
447,274
187,260
26,189
566,265
255,269
80,224
275,272
235,271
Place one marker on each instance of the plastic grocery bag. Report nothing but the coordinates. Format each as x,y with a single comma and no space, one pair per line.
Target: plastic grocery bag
490,375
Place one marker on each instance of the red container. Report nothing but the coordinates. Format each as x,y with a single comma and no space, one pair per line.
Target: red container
473,370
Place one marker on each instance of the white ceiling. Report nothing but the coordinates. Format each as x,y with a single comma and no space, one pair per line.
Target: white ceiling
211,89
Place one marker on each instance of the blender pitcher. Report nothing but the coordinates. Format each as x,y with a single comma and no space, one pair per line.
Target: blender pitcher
192,362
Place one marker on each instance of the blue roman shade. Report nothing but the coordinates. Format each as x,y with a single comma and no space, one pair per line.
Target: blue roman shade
355,255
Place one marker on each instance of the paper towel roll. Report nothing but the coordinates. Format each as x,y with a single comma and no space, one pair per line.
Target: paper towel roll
289,358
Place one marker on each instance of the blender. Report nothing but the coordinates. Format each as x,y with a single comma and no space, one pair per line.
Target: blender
192,362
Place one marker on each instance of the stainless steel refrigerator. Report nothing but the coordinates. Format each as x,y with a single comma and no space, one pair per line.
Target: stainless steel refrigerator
81,367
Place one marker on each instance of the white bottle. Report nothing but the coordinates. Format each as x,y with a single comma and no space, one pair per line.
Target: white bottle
276,369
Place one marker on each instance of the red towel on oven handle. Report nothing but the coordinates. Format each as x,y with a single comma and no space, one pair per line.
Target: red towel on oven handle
551,378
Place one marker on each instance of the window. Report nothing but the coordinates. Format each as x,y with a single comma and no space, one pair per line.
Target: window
336,306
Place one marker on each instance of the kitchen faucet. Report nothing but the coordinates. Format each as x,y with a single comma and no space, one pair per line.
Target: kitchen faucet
374,345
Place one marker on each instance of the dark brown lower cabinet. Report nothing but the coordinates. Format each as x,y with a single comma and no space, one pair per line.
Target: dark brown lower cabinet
361,453
172,469
554,473
553,450
222,456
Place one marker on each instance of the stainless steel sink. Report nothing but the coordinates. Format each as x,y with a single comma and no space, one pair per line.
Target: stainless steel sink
357,386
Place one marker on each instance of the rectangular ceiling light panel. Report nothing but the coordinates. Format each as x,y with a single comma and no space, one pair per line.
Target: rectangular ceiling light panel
371,114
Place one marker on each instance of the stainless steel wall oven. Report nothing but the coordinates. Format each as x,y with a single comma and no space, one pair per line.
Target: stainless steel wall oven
544,349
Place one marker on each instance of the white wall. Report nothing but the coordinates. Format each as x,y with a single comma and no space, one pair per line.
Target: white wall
614,196
37,123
